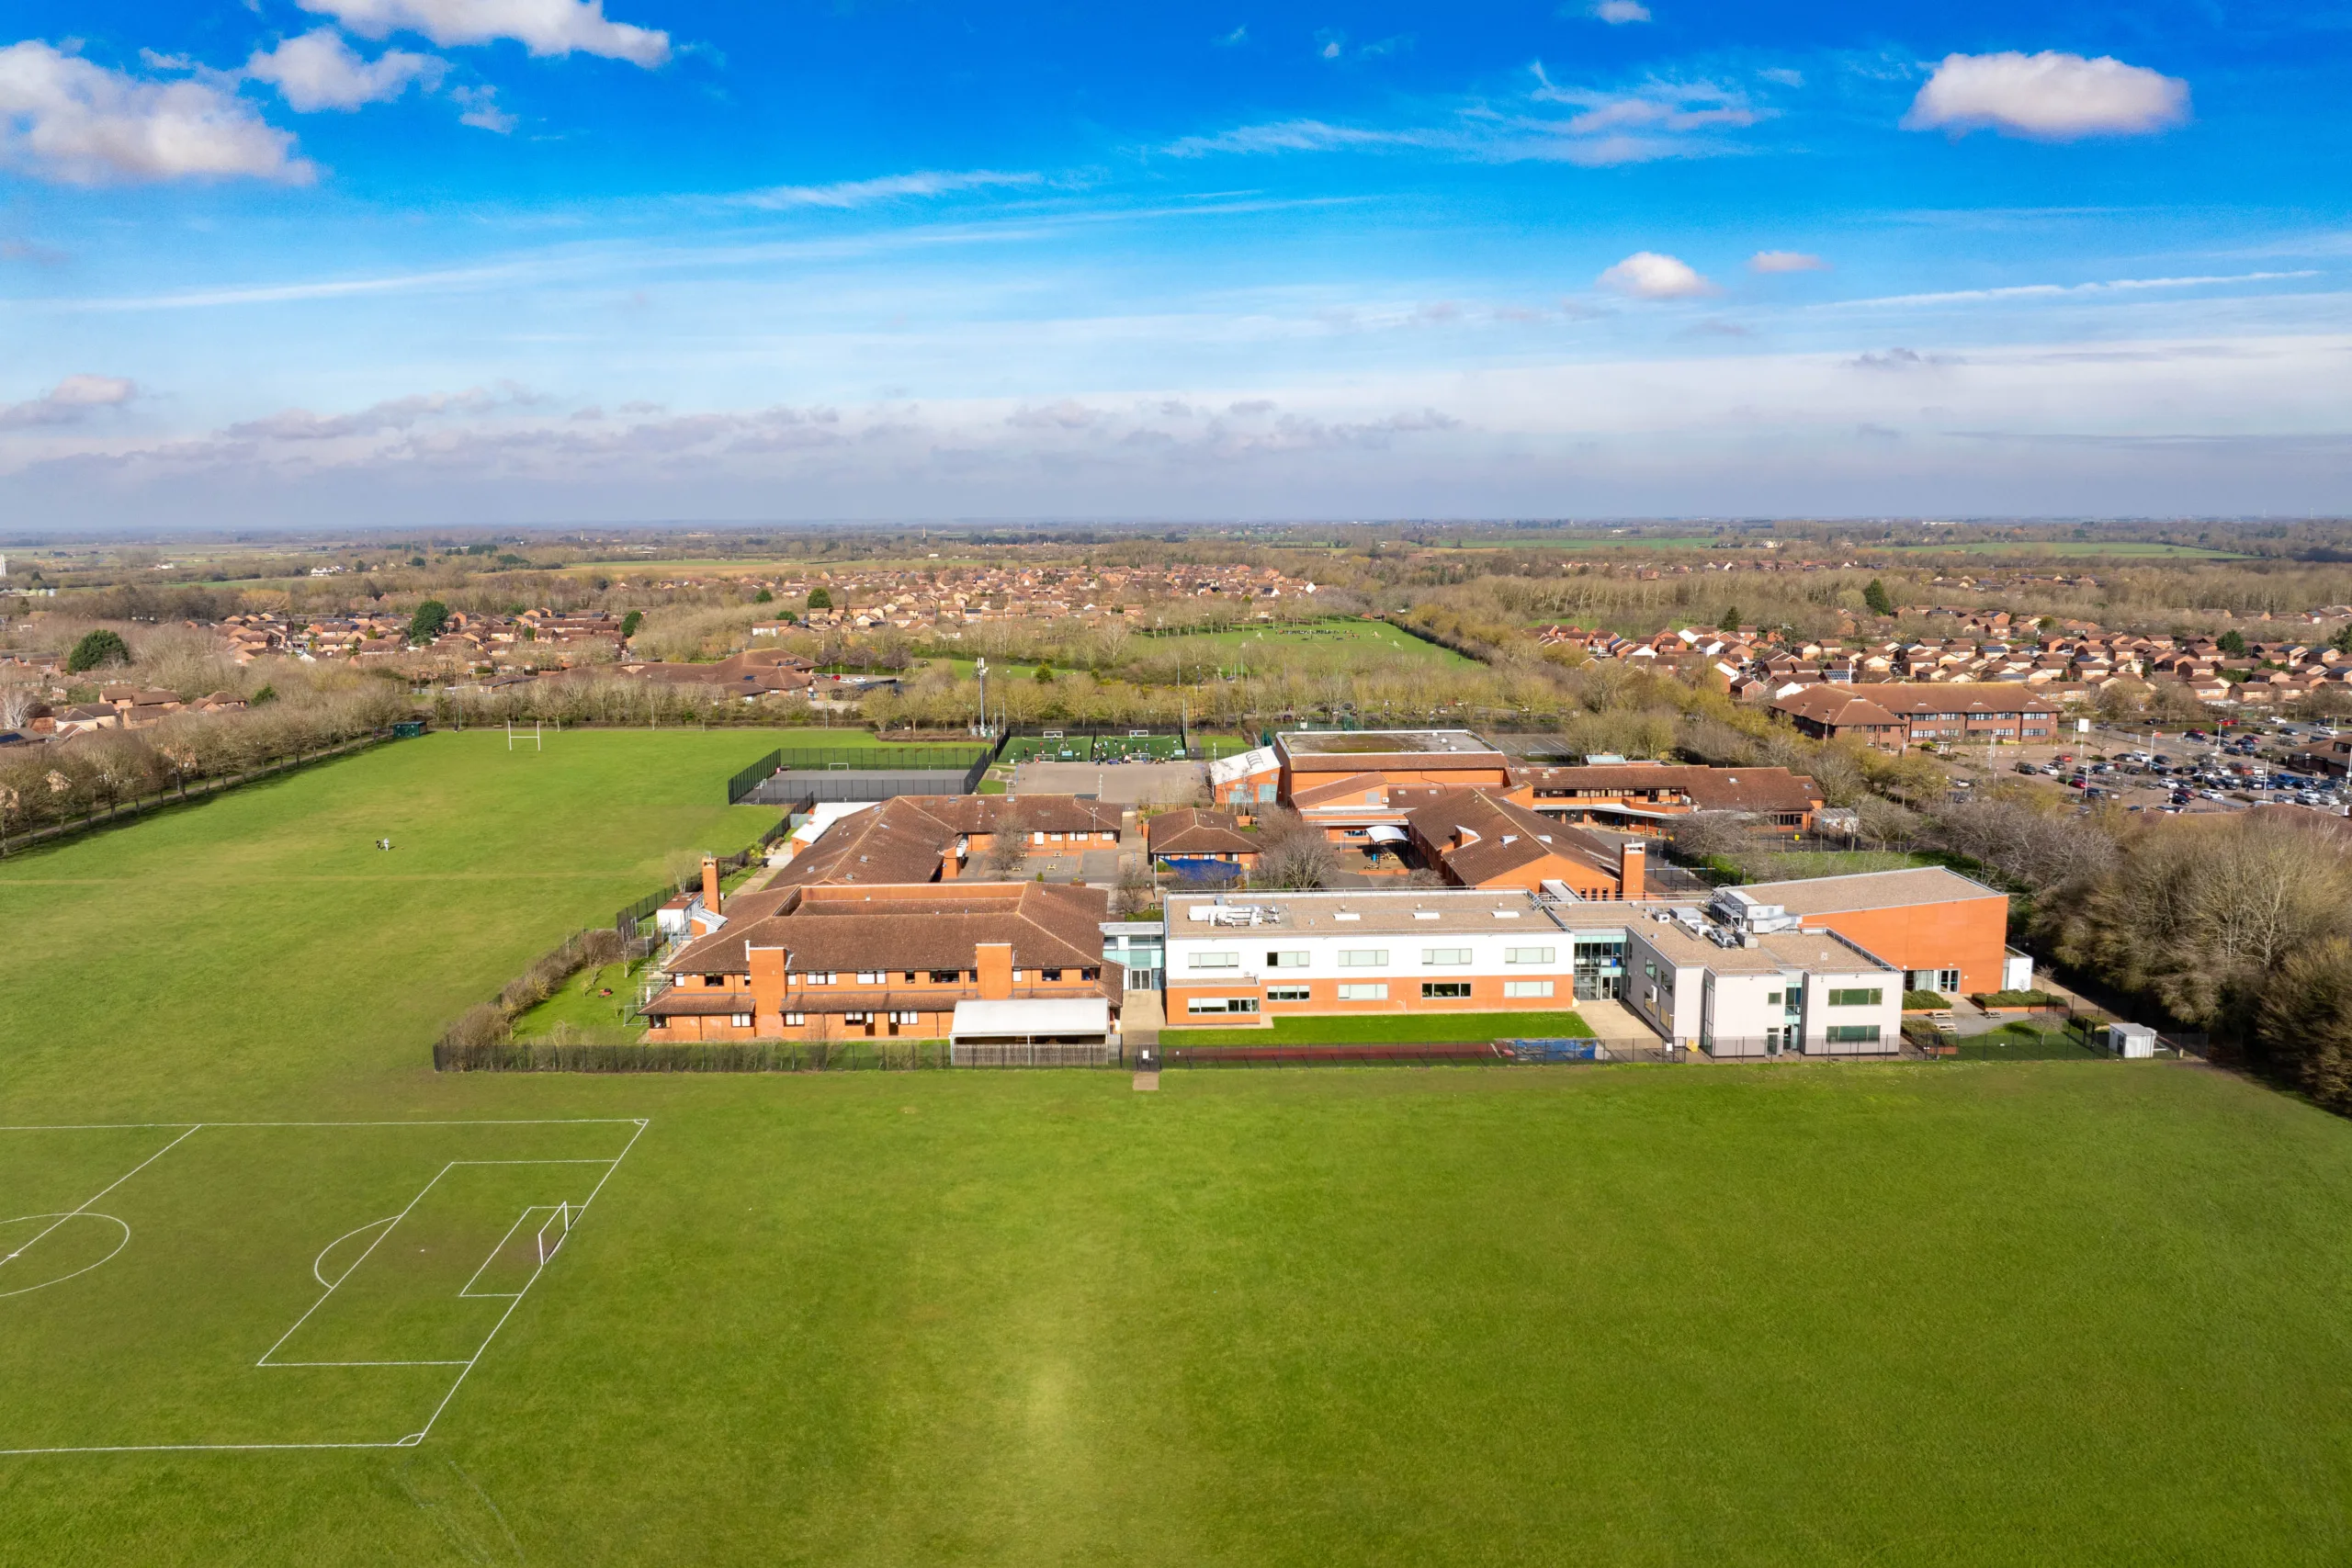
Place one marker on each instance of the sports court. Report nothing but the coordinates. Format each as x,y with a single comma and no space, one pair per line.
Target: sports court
261,1285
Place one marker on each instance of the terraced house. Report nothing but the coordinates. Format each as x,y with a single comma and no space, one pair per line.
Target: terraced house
1896,713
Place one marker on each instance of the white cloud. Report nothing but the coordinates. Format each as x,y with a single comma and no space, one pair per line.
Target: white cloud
1654,105
2049,96
392,415
65,118
887,188
68,403
2055,291
1233,39
319,71
1657,120
1647,274
481,110
1300,136
1617,13
1786,261
543,27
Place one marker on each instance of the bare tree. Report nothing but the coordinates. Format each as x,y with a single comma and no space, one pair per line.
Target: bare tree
1295,853
1007,851
1709,835
1138,888
2191,909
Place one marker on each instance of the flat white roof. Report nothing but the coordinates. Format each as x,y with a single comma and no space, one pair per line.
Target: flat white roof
1868,890
1257,760
1500,910
1074,1015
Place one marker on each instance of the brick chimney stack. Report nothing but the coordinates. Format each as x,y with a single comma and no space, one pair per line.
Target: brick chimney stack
1632,866
710,883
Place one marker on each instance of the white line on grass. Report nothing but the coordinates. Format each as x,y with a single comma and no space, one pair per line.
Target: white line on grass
419,1435
467,1365
347,1273
61,1219
110,1186
338,1241
520,1221
636,1121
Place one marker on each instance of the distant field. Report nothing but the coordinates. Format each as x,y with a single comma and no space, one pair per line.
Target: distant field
2081,1311
1330,645
2066,547
668,565
1618,541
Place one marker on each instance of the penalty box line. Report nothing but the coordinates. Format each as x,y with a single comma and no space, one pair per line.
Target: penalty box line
413,1438
359,1262
419,1435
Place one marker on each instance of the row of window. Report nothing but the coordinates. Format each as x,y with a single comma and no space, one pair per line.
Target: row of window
907,976
1365,992
1371,957
794,1020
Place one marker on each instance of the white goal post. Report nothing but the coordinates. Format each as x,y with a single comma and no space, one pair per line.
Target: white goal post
552,1230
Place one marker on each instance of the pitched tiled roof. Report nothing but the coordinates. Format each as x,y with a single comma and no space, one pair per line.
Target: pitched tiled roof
903,839
1194,832
1508,837
1047,925
1836,706
1709,789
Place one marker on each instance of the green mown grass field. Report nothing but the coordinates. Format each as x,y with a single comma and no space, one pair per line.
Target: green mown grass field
1389,1029
2049,1312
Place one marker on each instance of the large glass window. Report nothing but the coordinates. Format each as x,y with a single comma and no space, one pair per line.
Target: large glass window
1530,954
1215,960
1851,1033
1445,990
1445,955
1859,997
1288,959
1288,993
1221,1004
1362,957
1527,987
1364,993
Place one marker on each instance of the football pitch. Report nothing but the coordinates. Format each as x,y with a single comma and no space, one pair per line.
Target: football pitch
330,1285
272,1291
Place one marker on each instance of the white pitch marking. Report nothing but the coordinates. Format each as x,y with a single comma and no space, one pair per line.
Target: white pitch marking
413,1438
338,1241
24,1290
426,1430
110,1186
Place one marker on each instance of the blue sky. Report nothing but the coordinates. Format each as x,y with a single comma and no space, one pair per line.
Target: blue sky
383,262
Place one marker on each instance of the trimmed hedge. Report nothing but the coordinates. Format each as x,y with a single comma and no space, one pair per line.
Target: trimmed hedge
454,1056
2017,999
